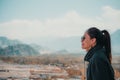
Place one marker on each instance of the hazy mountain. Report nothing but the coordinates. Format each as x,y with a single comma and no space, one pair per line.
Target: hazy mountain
71,44
14,47
36,47
115,37
4,42
115,40
41,49
19,49
51,45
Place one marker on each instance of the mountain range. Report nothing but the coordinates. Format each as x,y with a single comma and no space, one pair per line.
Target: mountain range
14,48
115,40
73,44
51,45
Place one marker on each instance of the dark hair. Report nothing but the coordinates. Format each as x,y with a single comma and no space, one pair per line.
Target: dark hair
102,39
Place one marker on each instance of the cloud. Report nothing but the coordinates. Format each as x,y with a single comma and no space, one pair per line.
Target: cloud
110,18
111,13
20,28
71,24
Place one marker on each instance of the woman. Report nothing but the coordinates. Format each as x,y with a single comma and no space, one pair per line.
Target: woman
98,46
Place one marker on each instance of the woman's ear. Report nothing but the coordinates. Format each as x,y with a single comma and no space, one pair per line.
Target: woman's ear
93,42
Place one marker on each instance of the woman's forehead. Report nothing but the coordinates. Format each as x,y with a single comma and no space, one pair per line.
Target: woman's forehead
86,34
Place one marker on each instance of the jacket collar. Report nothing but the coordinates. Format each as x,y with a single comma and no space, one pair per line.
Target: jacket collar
91,52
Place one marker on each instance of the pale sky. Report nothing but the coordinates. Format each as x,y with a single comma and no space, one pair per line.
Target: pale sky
28,19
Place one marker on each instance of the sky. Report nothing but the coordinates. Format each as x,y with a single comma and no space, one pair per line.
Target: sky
33,19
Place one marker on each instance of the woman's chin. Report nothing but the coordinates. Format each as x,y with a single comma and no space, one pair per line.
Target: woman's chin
83,47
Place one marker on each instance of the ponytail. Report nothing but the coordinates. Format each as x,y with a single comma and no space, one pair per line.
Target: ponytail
107,44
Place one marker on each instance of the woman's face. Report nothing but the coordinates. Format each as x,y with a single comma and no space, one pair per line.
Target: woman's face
87,42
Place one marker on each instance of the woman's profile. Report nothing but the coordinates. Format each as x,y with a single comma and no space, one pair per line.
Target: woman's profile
98,46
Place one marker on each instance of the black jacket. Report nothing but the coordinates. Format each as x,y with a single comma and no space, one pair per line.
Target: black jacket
99,68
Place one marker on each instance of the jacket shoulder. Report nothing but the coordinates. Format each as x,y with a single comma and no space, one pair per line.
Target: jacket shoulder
99,55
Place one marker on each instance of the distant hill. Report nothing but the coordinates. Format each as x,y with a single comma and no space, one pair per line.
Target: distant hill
115,37
14,48
19,49
36,47
73,44
4,42
115,40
